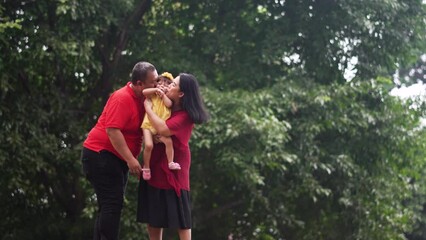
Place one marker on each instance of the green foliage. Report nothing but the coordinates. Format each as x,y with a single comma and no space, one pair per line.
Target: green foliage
352,141
251,45
293,151
233,168
343,168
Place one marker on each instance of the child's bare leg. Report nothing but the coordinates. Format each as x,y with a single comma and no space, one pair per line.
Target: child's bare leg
170,153
148,146
168,142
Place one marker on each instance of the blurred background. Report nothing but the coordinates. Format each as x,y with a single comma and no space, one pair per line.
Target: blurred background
309,137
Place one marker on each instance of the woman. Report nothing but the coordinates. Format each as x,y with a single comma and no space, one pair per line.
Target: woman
164,200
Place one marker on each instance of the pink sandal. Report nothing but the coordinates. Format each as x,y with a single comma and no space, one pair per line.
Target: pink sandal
174,166
146,174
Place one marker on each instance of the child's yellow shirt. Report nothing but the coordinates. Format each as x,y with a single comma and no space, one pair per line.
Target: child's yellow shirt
160,109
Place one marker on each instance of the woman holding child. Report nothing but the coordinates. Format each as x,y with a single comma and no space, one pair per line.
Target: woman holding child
164,200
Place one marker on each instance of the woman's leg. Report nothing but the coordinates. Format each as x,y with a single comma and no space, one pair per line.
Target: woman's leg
184,234
155,233
148,146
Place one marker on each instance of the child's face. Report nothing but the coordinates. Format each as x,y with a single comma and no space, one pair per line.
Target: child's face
160,82
164,84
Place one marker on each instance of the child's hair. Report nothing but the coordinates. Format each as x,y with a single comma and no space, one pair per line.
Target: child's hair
166,77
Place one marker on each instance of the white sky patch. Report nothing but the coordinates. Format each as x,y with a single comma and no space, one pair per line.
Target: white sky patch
294,58
412,91
350,71
418,89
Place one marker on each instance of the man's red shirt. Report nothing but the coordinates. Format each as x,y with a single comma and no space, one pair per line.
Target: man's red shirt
124,110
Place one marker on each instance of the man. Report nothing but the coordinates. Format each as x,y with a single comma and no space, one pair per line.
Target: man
112,146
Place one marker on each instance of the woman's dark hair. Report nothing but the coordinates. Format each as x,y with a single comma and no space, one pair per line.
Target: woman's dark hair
140,71
192,101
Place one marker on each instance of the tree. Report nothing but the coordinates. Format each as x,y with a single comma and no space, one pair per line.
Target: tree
230,42
59,68
292,151
325,163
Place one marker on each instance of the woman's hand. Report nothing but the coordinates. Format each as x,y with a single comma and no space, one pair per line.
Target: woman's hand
160,138
147,103
156,138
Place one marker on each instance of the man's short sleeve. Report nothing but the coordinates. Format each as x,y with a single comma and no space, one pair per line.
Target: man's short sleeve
116,113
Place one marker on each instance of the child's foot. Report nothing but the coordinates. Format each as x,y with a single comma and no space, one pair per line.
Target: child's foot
146,174
174,166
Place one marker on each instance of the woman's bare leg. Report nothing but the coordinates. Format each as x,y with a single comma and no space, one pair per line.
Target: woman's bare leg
155,233
184,234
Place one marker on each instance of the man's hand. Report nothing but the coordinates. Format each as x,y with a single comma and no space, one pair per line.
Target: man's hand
134,167
117,140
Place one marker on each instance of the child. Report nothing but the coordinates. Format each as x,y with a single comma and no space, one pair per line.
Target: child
161,105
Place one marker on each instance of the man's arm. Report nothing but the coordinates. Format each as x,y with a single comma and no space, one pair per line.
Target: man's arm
119,143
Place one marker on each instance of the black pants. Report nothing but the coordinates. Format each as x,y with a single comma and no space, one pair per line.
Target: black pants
108,175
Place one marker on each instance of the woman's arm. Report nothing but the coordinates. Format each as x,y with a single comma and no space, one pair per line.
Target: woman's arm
158,123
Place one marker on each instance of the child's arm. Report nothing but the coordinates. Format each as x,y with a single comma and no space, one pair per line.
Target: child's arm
167,101
148,92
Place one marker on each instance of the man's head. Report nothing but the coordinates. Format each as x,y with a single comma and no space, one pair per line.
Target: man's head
144,75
